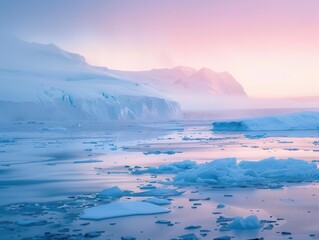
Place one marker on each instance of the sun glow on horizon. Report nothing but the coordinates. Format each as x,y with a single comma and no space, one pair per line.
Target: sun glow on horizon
270,47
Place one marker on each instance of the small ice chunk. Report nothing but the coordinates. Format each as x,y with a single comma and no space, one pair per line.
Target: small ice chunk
190,236
93,234
250,222
163,221
113,192
191,227
220,205
269,227
122,209
148,186
128,238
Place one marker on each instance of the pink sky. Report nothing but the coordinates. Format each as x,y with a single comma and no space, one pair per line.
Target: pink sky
270,46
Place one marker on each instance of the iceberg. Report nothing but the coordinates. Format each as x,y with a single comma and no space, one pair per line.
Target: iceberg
122,209
267,173
250,222
230,173
113,192
293,121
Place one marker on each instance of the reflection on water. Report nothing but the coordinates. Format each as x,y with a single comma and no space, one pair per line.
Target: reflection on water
56,175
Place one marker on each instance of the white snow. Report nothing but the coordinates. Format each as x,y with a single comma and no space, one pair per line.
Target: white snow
293,121
250,222
122,209
44,82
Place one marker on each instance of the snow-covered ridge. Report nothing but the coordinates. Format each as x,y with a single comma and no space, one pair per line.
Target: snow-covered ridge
180,83
44,82
294,121
184,79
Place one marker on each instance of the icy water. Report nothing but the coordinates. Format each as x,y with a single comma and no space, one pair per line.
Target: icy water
51,172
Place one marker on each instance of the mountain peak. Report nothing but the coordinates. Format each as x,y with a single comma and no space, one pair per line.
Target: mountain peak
184,69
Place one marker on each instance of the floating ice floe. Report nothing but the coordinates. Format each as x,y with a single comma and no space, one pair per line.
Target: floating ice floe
267,173
148,186
256,136
250,222
168,168
294,121
159,192
220,205
230,173
158,201
93,234
190,236
122,209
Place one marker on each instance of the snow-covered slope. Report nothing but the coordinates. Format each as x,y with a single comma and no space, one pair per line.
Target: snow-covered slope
185,79
293,121
205,86
44,82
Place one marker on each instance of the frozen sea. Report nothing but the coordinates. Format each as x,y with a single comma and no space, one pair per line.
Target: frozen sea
52,172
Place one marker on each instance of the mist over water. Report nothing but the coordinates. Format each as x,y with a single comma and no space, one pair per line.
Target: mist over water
218,114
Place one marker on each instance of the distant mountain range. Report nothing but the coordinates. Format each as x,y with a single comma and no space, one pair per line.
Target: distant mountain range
188,80
190,87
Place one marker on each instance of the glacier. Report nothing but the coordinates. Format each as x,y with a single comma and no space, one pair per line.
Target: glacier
44,82
293,121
